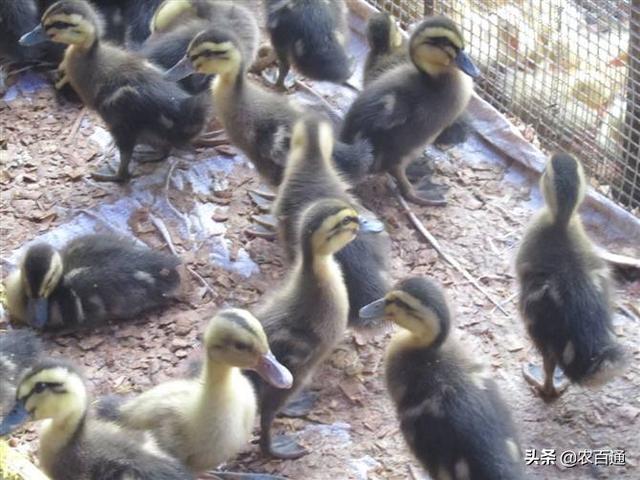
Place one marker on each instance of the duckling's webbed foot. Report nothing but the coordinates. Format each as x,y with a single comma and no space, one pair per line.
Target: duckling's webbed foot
123,175
430,197
286,448
549,384
152,155
301,405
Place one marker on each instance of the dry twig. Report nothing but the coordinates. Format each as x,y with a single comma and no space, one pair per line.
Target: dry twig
76,125
436,245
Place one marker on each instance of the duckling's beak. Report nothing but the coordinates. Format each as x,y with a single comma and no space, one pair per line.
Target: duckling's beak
38,312
370,225
16,417
273,371
35,36
374,310
180,70
464,63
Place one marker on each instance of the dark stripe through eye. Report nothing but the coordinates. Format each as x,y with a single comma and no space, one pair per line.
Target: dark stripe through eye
59,25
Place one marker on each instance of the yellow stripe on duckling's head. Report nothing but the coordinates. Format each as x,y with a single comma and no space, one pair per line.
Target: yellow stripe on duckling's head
41,270
236,338
215,51
72,22
52,389
436,46
418,305
326,227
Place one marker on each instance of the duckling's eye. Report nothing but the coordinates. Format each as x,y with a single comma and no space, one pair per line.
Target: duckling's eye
347,220
241,346
40,387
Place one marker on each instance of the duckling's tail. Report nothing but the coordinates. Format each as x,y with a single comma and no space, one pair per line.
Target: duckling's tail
607,365
322,60
195,111
353,160
108,407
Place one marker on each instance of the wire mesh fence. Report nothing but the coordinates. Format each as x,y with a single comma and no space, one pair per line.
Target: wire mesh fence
567,69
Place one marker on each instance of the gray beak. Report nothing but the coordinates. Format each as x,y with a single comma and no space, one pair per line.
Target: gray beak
38,312
16,417
35,36
464,63
374,310
270,369
180,70
370,225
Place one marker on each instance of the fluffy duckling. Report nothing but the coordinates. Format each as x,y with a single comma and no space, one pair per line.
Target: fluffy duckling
257,121
407,107
387,46
175,23
132,96
565,288
174,15
93,279
207,421
73,444
312,35
310,175
300,333
19,350
451,412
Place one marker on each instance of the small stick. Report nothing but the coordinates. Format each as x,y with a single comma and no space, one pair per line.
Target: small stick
436,245
507,301
164,233
76,125
167,181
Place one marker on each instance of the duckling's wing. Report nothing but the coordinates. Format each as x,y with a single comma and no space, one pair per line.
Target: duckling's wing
144,101
375,113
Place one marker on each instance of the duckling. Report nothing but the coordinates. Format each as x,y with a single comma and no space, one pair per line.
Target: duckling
387,46
312,35
73,444
310,175
93,279
407,107
300,333
257,121
206,421
174,14
19,349
450,410
565,288
132,96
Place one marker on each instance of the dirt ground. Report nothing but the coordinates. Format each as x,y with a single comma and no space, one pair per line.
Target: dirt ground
48,147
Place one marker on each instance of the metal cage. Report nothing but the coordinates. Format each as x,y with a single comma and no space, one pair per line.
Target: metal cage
568,71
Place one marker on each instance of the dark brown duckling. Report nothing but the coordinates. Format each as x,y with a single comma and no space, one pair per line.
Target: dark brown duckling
565,287
132,96
92,280
450,410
